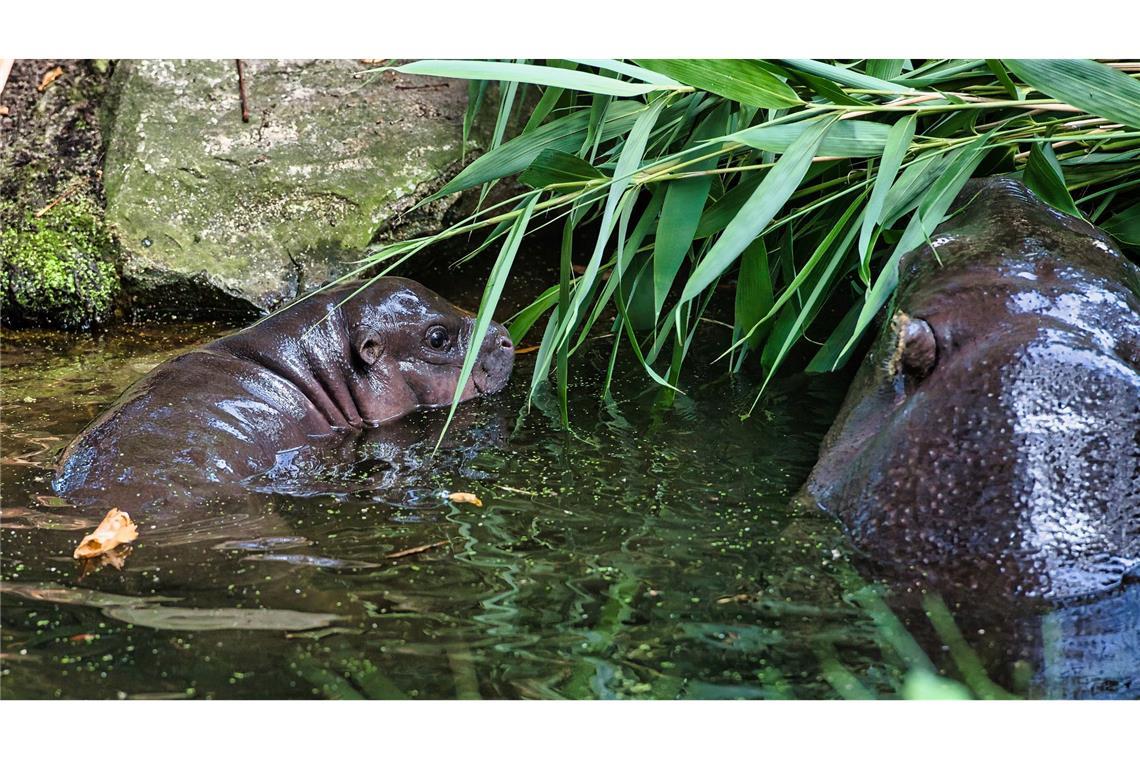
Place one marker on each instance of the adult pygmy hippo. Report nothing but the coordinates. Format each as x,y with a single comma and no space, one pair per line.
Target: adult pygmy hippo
316,370
991,438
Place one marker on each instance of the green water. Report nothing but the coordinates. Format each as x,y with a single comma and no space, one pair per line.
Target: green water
649,553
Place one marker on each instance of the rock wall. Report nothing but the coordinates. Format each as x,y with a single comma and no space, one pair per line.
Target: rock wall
208,215
208,208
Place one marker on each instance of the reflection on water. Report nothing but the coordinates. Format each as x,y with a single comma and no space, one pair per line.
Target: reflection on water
647,553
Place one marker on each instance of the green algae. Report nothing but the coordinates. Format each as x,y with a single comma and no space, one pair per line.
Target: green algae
56,268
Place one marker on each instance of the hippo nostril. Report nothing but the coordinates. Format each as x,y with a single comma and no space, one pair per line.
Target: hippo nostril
506,344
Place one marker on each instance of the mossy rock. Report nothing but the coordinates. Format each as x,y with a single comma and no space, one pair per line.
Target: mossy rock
213,214
57,259
56,270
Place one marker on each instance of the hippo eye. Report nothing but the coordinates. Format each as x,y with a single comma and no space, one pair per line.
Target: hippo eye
437,337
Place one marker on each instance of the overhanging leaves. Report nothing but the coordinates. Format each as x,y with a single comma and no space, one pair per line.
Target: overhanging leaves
743,81
1088,85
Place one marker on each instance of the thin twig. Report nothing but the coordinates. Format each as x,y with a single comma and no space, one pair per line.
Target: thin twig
414,550
241,90
439,86
55,202
1107,128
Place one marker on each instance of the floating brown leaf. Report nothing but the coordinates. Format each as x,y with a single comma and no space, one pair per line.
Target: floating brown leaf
50,77
116,528
462,497
115,558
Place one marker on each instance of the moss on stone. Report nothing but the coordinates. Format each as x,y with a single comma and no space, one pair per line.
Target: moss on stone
55,270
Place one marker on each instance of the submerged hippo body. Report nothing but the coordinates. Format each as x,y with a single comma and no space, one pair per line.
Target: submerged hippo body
991,439
315,372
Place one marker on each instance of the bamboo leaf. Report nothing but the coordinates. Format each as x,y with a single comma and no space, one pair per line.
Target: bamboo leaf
549,99
628,162
554,167
542,109
566,272
641,311
1088,85
940,72
629,70
1125,226
848,138
720,214
646,363
898,140
810,307
848,77
906,193
743,81
806,271
625,257
476,89
599,105
684,203
1002,75
753,293
521,322
830,355
506,105
516,155
884,68
930,213
771,195
724,210
827,89
495,282
549,76
546,352
1043,175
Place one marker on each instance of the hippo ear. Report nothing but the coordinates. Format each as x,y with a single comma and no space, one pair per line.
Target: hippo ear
917,350
367,345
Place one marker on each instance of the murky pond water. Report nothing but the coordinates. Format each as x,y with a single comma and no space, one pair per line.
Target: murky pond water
647,553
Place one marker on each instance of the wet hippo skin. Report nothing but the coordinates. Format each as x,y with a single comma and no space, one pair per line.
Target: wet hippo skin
312,374
991,439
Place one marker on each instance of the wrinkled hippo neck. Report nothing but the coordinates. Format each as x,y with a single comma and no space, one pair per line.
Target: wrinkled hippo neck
315,359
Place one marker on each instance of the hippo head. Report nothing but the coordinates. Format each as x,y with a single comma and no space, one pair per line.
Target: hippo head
408,345
990,437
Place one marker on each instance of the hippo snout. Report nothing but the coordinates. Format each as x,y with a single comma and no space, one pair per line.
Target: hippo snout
498,358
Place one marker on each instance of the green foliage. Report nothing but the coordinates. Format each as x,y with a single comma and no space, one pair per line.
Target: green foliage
804,181
746,82
1044,176
1087,85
